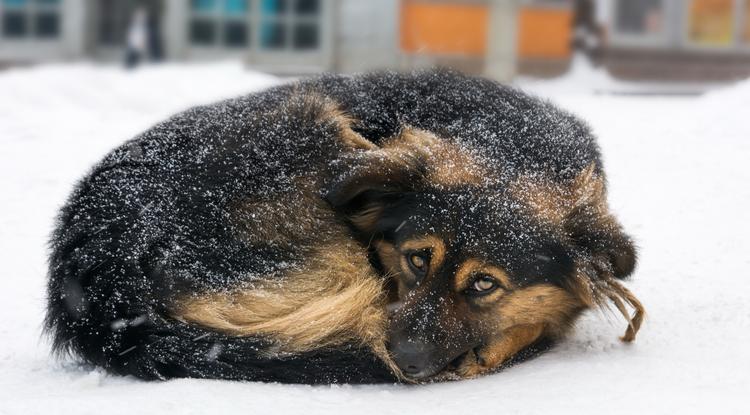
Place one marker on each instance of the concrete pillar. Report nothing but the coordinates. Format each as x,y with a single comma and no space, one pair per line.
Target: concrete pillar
500,63
367,34
174,29
73,32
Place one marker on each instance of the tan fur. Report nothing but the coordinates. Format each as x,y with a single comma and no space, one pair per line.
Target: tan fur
492,355
471,267
333,299
287,220
390,259
595,289
449,165
366,218
553,202
544,304
389,256
312,106
522,317
333,113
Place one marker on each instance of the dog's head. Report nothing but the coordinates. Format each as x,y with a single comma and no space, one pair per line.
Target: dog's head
469,255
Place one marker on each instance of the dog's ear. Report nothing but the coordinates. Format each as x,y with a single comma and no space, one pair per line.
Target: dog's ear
373,182
603,238
609,253
595,230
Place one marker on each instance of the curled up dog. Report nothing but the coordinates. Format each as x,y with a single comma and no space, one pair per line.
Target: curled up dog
374,228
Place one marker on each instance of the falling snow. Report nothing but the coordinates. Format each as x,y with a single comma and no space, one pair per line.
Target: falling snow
677,179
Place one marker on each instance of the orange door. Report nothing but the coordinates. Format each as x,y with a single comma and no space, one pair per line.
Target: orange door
443,28
544,32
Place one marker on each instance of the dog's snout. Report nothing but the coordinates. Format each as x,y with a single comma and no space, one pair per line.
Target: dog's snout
414,358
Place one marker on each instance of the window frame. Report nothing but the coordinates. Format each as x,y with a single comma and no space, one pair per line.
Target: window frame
219,20
276,60
254,20
31,9
655,41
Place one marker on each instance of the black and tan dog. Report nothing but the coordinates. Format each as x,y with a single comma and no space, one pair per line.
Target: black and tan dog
342,229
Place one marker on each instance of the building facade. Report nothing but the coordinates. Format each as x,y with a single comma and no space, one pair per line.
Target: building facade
636,38
278,33
679,39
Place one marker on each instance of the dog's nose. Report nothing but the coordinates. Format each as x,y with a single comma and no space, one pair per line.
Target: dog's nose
412,357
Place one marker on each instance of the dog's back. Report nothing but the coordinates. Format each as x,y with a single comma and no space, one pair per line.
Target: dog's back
153,222
150,223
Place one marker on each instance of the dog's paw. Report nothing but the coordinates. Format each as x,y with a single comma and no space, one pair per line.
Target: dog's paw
472,365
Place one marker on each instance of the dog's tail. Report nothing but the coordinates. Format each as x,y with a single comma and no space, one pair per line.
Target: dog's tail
129,336
107,300
177,350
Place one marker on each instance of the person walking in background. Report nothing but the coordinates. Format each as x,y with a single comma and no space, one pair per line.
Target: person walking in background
588,33
153,26
137,38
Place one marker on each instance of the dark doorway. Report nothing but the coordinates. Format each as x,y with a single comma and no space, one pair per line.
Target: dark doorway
112,20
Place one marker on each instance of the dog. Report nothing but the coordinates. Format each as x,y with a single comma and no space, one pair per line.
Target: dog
382,227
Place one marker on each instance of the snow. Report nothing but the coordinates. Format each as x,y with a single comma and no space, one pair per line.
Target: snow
677,178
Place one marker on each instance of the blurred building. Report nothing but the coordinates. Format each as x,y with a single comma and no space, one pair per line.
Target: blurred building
689,39
678,39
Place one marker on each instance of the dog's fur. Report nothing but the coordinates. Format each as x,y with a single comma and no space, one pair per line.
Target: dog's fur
273,237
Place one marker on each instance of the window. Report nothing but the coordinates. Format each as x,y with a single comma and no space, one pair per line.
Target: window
287,24
220,22
640,17
30,18
276,24
113,19
272,30
711,22
305,36
235,30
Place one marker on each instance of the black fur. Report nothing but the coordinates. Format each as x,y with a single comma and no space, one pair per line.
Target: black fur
150,222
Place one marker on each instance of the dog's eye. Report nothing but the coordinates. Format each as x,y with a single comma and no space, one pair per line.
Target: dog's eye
484,284
418,263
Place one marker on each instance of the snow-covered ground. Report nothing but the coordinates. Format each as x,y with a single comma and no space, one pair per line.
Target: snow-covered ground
679,180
